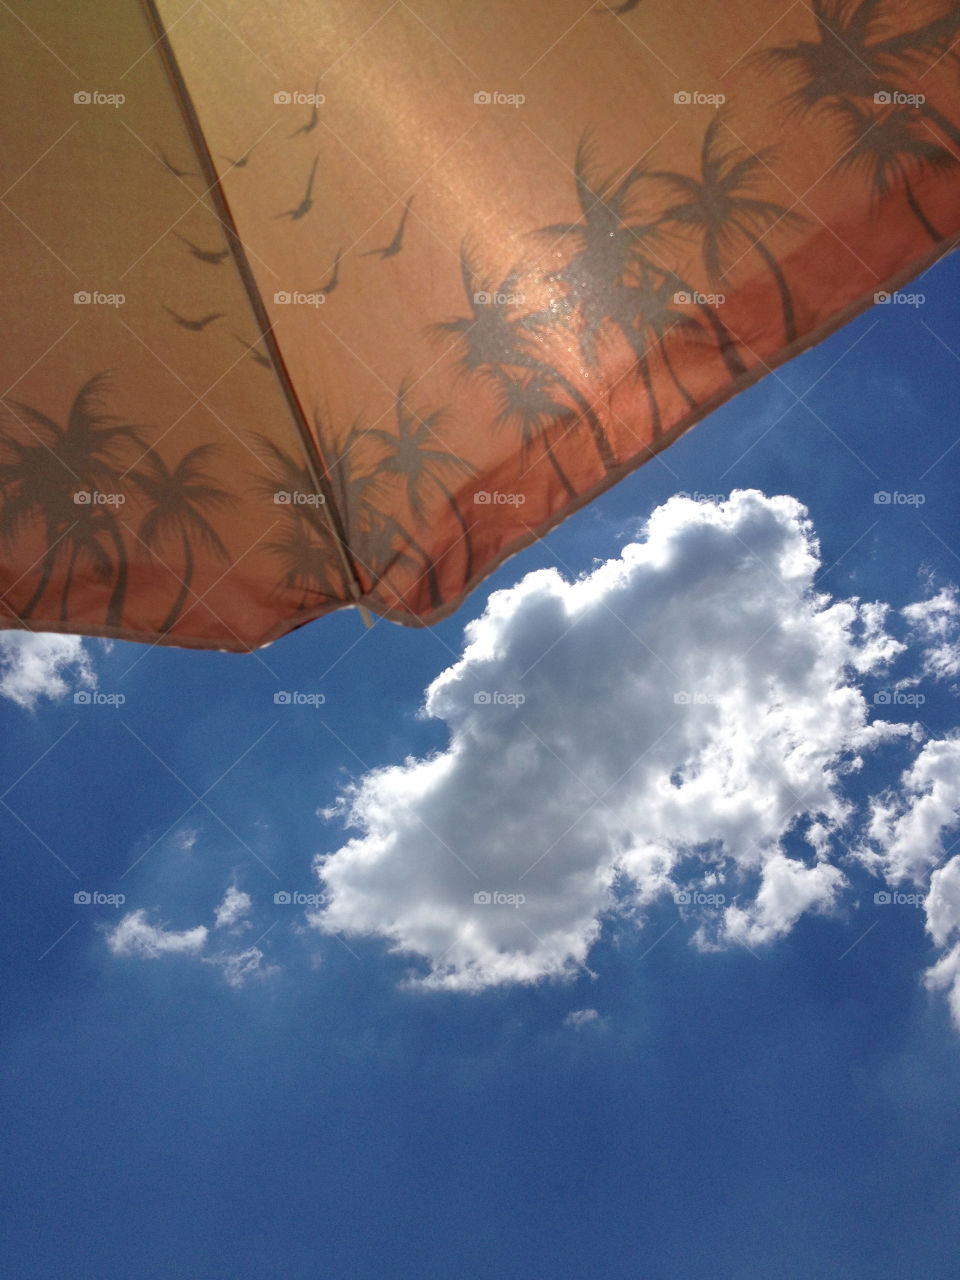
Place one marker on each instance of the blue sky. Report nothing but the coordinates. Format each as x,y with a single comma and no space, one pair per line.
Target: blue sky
397,1081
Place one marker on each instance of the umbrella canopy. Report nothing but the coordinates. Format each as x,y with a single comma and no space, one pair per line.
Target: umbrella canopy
309,305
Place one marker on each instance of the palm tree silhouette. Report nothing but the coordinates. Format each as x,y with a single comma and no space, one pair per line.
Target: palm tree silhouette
84,539
890,148
496,337
306,547
177,501
531,400
42,479
720,208
419,466
852,58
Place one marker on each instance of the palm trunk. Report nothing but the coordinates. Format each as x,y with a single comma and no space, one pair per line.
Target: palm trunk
45,575
67,583
918,213
184,591
655,422
600,437
468,571
789,320
942,123
726,342
561,474
119,593
691,403
431,573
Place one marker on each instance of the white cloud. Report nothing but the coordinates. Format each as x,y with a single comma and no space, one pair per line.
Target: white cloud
234,907
36,665
943,902
133,936
238,967
904,835
694,697
580,1018
936,623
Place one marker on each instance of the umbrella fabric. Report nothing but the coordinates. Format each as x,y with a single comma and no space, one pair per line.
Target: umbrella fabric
315,304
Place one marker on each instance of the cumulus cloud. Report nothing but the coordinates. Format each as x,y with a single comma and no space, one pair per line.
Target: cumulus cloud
234,907
134,936
935,623
904,834
36,665
694,698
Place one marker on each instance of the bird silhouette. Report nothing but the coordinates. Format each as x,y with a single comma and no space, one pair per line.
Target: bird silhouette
242,161
396,244
306,204
314,117
257,355
627,7
195,326
334,277
177,173
205,255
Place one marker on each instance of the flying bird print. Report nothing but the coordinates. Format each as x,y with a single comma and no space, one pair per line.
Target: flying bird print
177,173
314,117
205,255
252,348
195,326
627,7
396,244
241,162
334,277
306,204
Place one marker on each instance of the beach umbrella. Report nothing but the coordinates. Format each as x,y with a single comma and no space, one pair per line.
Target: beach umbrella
311,305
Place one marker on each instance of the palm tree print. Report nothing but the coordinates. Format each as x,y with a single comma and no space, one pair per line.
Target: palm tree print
421,467
890,148
720,207
177,500
48,479
496,336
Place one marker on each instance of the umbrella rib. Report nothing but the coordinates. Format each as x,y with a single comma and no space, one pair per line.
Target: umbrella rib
316,465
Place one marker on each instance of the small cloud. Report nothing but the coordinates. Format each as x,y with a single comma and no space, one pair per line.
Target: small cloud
234,907
935,623
36,665
239,967
133,936
581,1018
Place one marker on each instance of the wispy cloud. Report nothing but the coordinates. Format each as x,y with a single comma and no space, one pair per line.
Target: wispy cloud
37,665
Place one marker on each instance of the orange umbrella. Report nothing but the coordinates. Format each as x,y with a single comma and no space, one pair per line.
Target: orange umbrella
309,305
